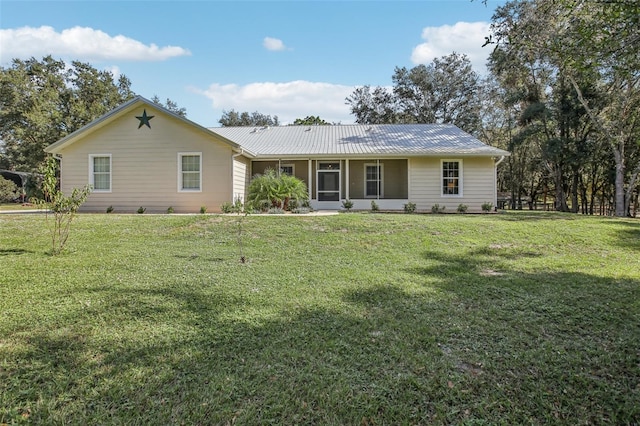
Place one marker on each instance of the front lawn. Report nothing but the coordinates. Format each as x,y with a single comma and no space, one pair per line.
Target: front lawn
359,319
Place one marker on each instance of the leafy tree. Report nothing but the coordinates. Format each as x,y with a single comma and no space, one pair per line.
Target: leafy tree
63,208
588,49
445,91
233,118
170,105
379,107
43,101
310,120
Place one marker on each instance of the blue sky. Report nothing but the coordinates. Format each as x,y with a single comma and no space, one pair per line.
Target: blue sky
288,58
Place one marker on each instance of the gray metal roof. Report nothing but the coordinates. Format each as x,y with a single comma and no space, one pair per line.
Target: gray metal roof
358,140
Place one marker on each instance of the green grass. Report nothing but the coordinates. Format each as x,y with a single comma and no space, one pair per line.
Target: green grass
372,319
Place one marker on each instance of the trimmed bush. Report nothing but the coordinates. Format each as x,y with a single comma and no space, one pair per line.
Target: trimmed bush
8,190
410,207
437,208
347,205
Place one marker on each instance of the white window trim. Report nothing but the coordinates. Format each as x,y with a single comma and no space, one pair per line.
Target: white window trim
460,178
180,155
380,179
293,168
92,176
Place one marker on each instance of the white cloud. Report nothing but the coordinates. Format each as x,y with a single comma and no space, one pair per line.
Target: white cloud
81,43
114,70
289,100
463,37
274,44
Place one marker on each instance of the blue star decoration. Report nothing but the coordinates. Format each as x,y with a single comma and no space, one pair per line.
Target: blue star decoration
144,119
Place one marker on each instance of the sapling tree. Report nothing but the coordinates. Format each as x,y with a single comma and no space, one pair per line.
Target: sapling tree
61,209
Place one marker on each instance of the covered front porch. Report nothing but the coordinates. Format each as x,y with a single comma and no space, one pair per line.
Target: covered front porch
331,181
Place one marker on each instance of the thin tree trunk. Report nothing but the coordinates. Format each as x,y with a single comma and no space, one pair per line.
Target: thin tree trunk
629,194
618,149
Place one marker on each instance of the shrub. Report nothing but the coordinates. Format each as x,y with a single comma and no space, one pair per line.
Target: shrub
275,190
462,208
8,190
203,209
170,210
437,208
141,210
374,206
238,206
347,205
410,207
63,208
275,210
487,207
226,207
110,209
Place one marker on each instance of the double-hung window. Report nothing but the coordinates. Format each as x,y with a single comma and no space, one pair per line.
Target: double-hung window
373,180
100,172
287,169
189,172
452,178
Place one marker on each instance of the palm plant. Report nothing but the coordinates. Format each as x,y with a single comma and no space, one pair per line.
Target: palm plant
271,189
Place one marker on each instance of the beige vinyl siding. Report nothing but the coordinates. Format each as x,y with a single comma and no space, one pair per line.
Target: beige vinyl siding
145,165
425,188
240,177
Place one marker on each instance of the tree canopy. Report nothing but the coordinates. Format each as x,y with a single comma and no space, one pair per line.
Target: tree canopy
170,105
234,118
445,91
310,120
571,70
44,100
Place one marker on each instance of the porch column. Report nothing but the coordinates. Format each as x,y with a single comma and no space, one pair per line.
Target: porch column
380,181
310,181
409,191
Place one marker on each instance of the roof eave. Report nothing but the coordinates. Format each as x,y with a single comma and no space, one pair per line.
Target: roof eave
314,156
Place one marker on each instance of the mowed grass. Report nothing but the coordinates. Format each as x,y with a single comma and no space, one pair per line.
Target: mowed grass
354,319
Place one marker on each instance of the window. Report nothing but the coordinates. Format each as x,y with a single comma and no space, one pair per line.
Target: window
100,172
452,178
189,172
287,169
373,180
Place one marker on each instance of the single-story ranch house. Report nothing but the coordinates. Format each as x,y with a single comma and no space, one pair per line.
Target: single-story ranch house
142,155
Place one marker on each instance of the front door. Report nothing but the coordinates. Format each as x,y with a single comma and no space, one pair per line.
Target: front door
328,181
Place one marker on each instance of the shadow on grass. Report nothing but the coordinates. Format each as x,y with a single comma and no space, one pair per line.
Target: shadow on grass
12,252
514,349
629,235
